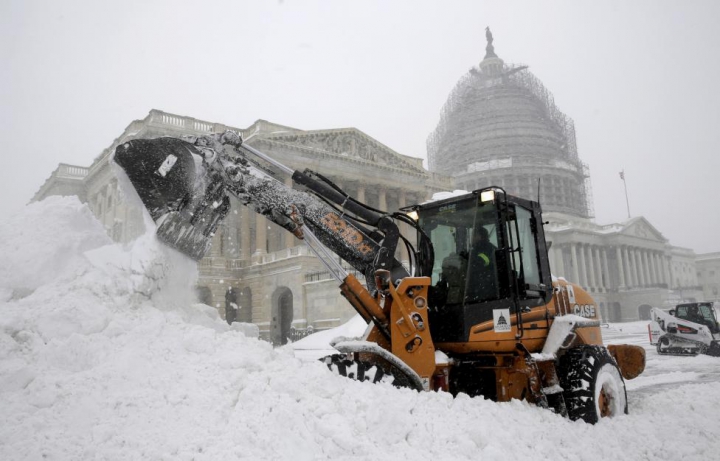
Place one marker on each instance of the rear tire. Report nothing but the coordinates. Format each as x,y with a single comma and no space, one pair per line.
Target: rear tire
592,383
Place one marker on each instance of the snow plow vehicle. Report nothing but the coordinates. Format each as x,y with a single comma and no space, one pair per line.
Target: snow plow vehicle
478,312
689,329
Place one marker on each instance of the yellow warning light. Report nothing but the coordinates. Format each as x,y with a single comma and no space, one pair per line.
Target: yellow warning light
413,215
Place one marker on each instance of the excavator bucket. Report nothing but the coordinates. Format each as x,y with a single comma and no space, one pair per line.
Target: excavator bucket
186,200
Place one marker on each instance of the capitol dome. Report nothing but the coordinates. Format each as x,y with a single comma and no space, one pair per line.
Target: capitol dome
500,127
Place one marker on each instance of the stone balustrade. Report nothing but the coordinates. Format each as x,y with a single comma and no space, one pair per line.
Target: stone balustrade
188,125
285,253
71,171
222,263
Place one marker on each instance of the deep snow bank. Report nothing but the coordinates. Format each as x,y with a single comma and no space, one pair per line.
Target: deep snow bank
104,356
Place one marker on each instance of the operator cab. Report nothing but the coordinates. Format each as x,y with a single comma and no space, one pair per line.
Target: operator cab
700,313
490,253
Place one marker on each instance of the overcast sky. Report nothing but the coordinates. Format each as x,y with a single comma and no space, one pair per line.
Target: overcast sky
640,79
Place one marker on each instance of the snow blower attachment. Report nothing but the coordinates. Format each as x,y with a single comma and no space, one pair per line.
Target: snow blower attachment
480,313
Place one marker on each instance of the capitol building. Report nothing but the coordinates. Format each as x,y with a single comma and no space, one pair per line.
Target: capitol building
498,127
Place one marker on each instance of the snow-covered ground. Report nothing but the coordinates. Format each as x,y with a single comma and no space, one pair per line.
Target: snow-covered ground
104,355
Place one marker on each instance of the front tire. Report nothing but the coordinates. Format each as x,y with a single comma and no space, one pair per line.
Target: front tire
592,384
357,370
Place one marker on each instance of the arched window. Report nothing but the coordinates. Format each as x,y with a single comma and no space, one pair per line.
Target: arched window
644,312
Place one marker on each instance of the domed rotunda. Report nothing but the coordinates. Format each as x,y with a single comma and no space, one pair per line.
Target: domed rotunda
500,126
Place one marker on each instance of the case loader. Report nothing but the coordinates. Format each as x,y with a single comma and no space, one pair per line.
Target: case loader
477,311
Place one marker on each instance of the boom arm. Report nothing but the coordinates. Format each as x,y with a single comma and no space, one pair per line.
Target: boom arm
184,184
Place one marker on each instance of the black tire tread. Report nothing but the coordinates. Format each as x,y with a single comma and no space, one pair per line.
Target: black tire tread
340,364
575,367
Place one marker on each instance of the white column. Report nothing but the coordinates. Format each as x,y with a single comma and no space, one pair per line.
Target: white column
638,268
360,194
659,268
598,268
663,265
592,281
608,283
646,265
633,268
583,268
629,270
382,199
629,274
642,265
651,267
668,272
646,268
573,255
653,263
619,255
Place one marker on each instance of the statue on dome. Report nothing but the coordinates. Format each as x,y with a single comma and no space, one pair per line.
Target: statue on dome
489,49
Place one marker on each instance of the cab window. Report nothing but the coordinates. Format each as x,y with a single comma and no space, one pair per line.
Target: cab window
521,234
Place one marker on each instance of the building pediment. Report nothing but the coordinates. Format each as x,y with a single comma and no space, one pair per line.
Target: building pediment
641,228
347,143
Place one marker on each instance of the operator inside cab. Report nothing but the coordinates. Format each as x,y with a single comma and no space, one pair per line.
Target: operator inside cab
693,315
481,283
465,239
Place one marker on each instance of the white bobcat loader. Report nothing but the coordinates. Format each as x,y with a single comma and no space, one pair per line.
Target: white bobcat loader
689,329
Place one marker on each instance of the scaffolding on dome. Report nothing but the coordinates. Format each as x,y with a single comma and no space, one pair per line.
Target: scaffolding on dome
517,75
454,147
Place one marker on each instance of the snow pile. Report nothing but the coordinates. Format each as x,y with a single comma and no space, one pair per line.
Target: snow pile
317,345
45,241
103,355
